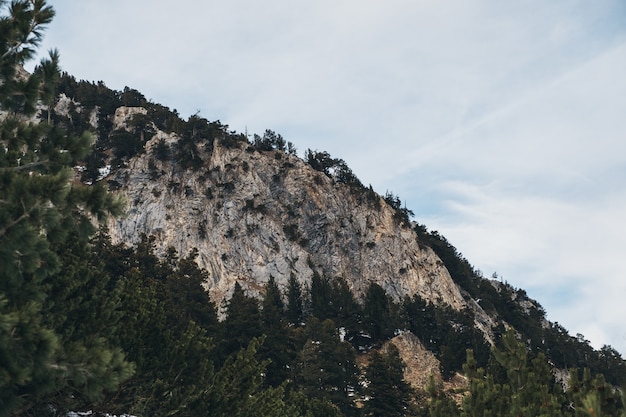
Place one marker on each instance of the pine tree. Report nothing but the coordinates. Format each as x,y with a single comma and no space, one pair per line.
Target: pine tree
592,396
236,389
519,384
82,306
295,313
187,296
272,304
312,406
485,396
387,390
279,346
347,313
379,313
172,353
242,323
439,404
528,390
39,207
320,294
326,366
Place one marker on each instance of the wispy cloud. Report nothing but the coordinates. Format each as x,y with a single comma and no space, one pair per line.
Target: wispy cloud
568,256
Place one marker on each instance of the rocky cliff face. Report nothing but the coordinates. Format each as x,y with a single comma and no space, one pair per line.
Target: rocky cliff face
253,214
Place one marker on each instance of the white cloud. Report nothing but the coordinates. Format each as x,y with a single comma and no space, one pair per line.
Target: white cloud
535,192
568,256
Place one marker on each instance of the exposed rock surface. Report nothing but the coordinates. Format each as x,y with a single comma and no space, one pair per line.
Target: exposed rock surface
420,362
64,105
254,214
124,113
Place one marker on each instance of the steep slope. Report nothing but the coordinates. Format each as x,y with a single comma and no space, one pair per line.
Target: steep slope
252,214
253,210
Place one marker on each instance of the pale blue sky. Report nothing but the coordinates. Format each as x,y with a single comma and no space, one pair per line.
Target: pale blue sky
502,124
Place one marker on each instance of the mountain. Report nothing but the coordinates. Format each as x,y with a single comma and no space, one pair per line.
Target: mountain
253,210
252,213
232,277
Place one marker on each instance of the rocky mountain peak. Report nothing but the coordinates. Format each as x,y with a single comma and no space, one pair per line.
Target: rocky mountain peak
252,214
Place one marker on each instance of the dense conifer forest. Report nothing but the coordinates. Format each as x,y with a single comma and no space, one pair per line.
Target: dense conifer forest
86,324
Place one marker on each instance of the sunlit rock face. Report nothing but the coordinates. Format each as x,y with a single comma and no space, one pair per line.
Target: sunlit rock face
254,214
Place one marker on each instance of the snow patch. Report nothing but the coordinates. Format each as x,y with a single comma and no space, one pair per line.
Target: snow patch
103,172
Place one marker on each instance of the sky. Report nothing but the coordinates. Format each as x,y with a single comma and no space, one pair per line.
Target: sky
502,125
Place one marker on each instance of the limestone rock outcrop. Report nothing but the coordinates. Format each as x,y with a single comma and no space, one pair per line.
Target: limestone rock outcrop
420,363
252,214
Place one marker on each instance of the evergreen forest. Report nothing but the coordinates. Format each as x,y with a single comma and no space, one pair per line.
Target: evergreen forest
91,325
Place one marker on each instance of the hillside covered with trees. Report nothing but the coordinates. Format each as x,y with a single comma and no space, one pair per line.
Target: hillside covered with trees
88,324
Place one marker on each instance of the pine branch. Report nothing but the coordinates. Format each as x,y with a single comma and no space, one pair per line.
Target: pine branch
23,167
23,216
41,15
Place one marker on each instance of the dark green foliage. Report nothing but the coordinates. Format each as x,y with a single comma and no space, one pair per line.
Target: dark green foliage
189,299
371,197
295,312
336,169
530,378
161,150
526,388
499,298
592,396
278,347
326,366
333,299
610,363
42,357
460,269
402,214
291,149
575,352
236,389
388,393
141,125
132,98
320,297
380,315
420,319
313,406
446,332
320,161
270,141
21,32
125,145
439,404
272,304
187,153
347,312
171,351
82,305
170,329
163,118
242,323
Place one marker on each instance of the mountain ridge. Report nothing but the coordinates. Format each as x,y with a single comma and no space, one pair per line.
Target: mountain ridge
253,213
162,145
158,138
